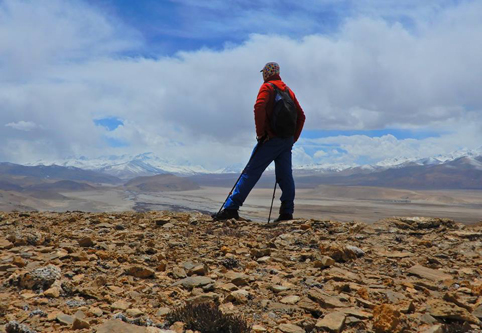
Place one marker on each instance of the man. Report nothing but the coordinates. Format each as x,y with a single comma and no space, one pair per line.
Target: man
271,147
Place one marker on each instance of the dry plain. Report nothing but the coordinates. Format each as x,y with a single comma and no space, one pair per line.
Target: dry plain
341,203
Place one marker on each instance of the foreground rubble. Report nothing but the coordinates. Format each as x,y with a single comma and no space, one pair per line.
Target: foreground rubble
127,272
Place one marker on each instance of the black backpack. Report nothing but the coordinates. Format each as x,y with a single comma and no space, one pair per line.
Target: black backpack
285,115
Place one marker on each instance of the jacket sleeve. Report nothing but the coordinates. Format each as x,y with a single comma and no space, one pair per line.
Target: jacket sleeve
260,109
301,118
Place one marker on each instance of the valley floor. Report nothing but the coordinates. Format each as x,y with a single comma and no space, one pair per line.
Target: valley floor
343,203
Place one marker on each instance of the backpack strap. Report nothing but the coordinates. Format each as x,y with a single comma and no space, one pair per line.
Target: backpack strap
278,89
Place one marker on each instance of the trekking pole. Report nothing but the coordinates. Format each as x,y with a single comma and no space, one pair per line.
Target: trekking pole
272,200
237,181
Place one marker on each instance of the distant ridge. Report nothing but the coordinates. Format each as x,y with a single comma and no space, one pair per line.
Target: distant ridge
161,183
54,172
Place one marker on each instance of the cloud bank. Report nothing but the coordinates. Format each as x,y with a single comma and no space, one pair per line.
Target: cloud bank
64,64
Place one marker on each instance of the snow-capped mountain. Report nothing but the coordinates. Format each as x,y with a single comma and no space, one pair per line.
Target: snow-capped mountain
127,166
148,164
432,160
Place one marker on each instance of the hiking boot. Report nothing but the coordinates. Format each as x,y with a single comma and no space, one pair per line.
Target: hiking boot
226,214
284,217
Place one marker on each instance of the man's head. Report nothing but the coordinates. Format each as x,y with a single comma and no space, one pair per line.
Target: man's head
270,69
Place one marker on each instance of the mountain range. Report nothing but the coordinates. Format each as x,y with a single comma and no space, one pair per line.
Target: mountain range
148,164
458,170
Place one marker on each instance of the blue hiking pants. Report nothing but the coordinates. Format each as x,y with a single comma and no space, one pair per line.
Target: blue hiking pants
279,151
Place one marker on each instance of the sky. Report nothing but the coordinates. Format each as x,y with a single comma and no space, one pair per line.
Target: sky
377,79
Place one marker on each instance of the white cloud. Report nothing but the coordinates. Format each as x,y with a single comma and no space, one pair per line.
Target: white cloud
22,125
63,70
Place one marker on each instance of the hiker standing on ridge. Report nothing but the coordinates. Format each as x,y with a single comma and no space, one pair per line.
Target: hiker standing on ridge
279,120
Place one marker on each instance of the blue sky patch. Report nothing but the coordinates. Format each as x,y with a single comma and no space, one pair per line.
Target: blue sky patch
400,134
109,123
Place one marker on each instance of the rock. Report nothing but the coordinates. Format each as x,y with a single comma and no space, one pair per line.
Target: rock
429,274
239,296
434,329
278,289
387,319
290,299
5,244
14,327
444,310
79,324
178,327
338,252
40,278
53,292
96,311
239,279
324,262
118,326
359,252
195,281
140,272
134,312
478,312
86,242
332,322
258,328
19,262
162,312
198,270
179,273
358,313
310,306
326,300
65,319
120,305
290,328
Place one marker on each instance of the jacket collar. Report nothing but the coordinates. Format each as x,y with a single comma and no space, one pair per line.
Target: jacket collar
275,77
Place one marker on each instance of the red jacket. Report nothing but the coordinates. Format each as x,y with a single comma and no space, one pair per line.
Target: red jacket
264,107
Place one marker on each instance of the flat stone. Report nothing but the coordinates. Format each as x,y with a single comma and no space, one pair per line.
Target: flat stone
53,292
332,322
239,296
326,300
324,262
478,312
441,309
140,272
79,324
96,311
65,319
179,273
290,328
238,279
428,273
358,313
195,281
258,328
277,289
120,305
162,312
134,312
290,299
5,244
86,242
118,326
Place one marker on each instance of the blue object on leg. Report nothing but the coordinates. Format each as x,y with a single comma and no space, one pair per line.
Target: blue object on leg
278,150
284,177
250,177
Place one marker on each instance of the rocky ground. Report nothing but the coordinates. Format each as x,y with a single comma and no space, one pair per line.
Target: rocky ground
79,271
